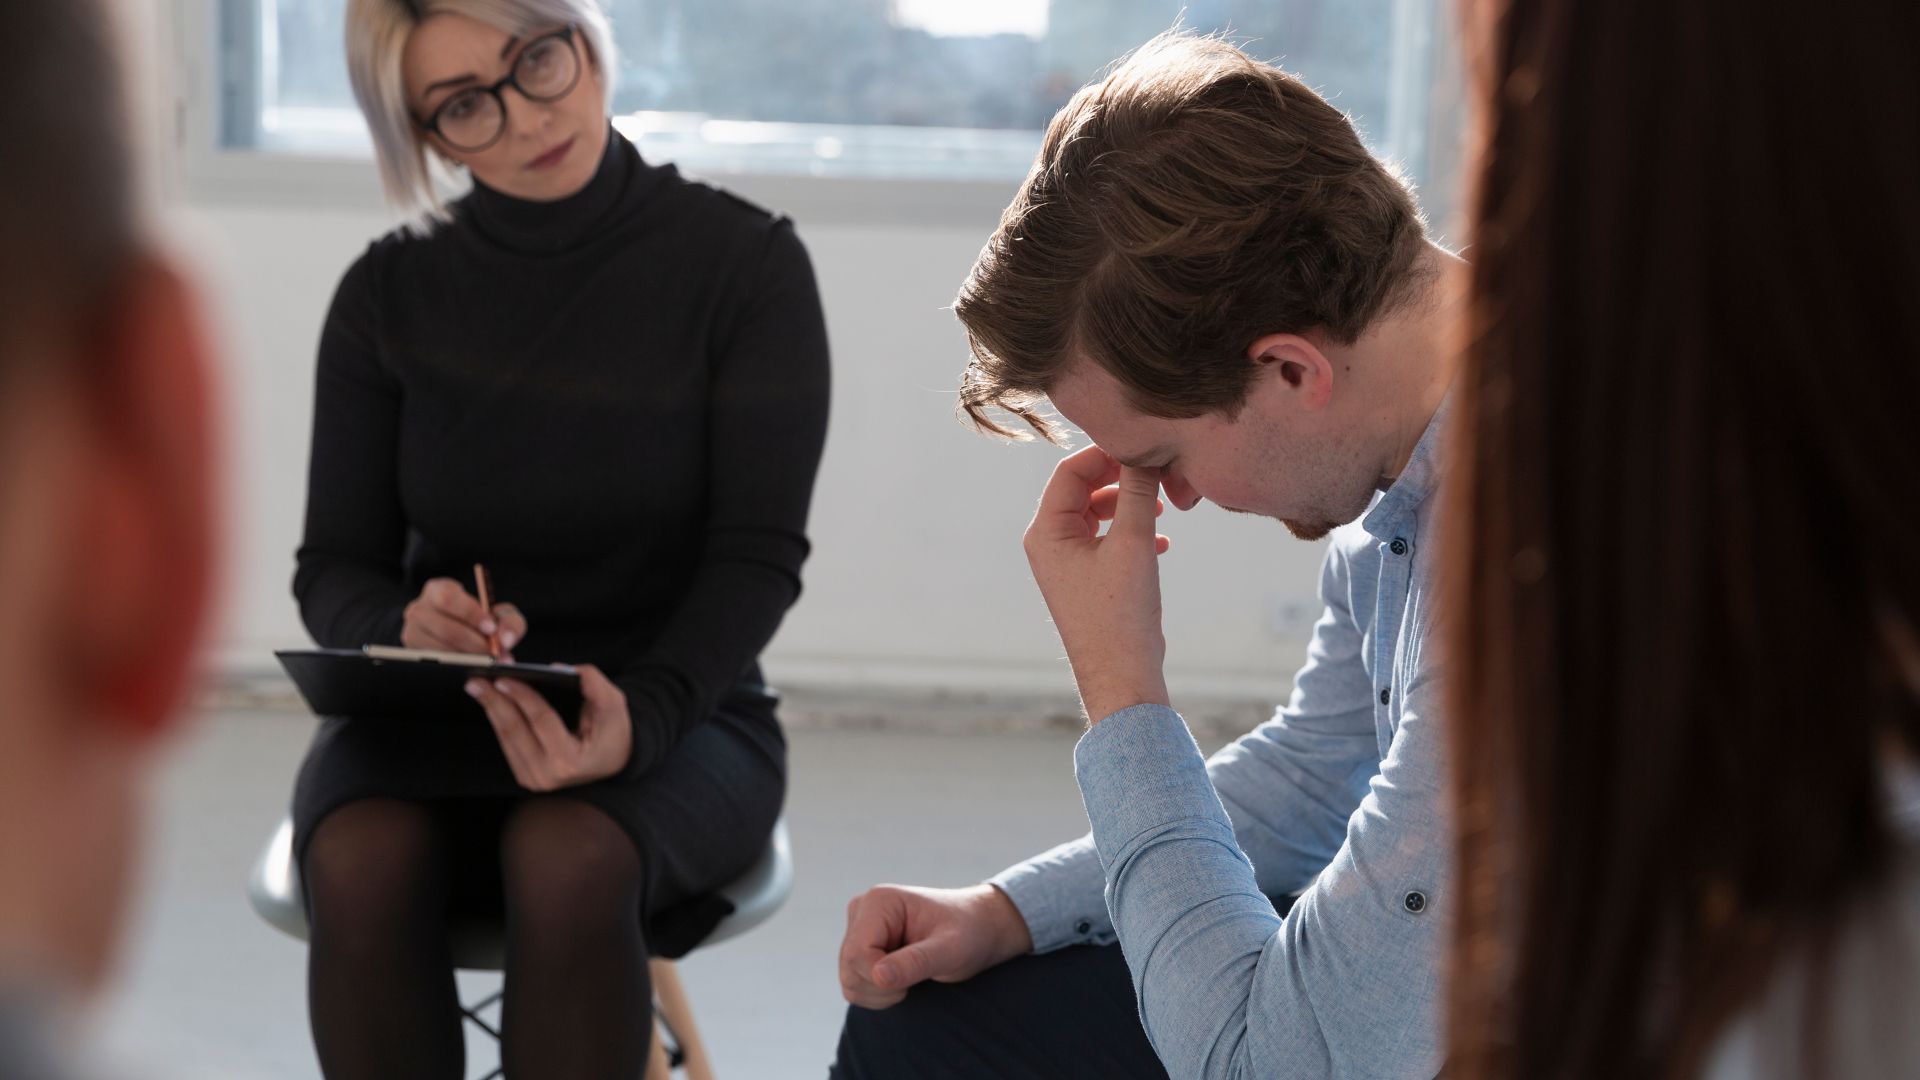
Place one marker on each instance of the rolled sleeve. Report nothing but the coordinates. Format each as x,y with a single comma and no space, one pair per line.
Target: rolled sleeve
1141,774
1061,894
1347,985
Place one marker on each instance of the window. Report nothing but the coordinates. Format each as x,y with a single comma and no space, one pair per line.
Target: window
949,90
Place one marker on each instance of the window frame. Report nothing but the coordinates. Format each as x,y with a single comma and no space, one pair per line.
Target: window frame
215,37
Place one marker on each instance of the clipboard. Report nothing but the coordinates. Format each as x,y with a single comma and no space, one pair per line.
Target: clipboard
390,683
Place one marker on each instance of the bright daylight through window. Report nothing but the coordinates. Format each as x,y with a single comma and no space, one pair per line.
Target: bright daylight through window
906,89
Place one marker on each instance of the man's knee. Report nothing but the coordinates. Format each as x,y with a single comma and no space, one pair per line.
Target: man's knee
879,1043
939,1030
1065,1013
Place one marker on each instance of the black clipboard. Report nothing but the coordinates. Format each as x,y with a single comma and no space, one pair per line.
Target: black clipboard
355,682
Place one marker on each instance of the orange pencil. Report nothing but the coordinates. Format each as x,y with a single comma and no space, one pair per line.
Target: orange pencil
485,587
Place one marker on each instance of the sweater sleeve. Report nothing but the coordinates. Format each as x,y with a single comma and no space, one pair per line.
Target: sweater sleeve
767,418
348,579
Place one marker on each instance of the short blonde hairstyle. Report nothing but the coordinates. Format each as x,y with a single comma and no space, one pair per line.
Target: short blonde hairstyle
377,33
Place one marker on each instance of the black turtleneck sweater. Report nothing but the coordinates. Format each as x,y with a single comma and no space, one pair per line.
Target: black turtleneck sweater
615,401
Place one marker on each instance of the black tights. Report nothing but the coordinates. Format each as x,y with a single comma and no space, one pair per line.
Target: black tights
381,876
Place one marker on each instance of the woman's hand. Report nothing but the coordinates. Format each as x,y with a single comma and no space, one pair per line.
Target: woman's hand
543,754
447,617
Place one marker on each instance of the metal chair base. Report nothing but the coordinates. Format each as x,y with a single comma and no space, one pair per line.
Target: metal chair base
274,891
663,1030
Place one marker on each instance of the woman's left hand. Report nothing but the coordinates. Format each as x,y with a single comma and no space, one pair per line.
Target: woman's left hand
543,754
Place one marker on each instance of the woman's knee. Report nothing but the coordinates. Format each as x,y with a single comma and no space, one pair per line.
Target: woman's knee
564,860
373,861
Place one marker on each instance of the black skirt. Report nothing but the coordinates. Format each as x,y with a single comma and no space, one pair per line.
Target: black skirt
699,819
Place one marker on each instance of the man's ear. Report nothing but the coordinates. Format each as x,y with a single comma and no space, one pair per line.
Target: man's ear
1298,366
146,506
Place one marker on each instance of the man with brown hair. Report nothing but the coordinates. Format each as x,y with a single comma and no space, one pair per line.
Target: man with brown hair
1209,276
105,519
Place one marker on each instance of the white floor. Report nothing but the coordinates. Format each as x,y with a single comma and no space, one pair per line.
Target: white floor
209,992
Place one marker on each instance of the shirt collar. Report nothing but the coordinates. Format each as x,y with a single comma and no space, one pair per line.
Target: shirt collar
1397,505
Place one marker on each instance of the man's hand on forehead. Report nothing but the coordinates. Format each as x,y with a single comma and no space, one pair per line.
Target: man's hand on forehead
1103,591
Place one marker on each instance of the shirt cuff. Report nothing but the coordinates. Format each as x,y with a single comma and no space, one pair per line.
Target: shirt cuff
1140,770
1061,894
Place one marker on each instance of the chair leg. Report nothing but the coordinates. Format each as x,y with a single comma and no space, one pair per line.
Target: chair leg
657,1067
677,1015
472,1014
676,1027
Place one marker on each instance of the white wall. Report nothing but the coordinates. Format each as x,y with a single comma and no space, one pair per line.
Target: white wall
917,577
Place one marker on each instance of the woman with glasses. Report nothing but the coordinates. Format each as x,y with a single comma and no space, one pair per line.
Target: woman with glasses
608,385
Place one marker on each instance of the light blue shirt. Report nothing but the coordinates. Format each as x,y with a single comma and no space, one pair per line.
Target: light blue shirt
1340,798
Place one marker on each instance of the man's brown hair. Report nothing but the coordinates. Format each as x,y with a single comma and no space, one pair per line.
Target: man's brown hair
1183,206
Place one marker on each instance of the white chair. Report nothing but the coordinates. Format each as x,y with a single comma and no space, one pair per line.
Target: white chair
275,892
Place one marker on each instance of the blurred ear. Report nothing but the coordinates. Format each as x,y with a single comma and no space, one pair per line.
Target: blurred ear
144,546
1300,370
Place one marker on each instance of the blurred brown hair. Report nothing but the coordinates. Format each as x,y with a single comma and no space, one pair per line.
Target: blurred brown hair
1681,519
66,200
1186,204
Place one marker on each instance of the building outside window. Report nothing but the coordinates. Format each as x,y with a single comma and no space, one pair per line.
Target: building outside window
944,90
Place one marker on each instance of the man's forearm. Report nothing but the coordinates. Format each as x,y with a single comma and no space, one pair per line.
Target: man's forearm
1346,985
1103,695
1187,910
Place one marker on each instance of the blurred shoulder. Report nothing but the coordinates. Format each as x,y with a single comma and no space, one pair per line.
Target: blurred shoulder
1860,989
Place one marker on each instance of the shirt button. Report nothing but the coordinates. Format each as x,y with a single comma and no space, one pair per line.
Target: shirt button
1083,927
1416,902
1385,695
1398,547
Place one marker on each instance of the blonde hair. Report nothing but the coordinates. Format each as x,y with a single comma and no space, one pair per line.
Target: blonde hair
377,33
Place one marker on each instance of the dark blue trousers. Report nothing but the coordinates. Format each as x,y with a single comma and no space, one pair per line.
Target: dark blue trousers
1060,1016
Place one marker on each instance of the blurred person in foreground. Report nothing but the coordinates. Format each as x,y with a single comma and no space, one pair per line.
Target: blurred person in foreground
105,520
1684,649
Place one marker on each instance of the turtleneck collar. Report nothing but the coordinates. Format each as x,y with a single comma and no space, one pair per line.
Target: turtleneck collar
545,228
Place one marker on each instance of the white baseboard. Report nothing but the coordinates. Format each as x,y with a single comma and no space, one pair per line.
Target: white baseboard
874,693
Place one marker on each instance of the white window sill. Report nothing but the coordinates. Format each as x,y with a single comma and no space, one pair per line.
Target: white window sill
264,178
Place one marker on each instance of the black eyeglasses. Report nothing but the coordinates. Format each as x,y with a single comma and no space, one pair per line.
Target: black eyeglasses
473,119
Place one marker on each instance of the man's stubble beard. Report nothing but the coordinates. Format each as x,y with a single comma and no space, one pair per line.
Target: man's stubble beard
1304,530
1301,530
1323,519
1352,489
1324,522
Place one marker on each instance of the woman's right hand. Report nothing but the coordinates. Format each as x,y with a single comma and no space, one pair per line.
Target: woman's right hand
445,616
